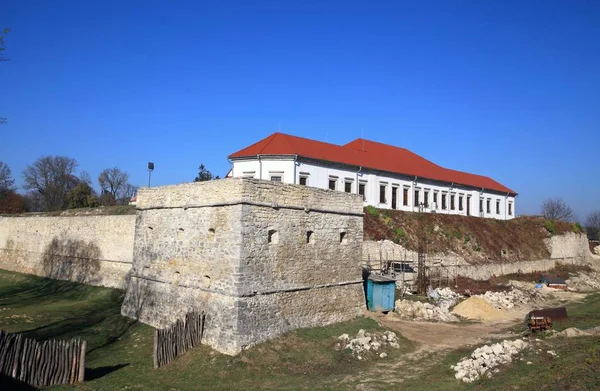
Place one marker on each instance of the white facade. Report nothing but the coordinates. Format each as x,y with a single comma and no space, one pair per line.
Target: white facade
380,189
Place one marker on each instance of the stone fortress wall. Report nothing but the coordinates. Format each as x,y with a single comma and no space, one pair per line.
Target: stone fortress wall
259,257
96,250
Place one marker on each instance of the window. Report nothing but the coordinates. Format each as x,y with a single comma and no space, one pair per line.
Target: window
452,202
497,207
480,205
304,180
510,208
489,205
416,198
426,198
443,201
435,197
361,190
273,236
405,196
276,178
348,186
382,195
394,198
460,202
332,183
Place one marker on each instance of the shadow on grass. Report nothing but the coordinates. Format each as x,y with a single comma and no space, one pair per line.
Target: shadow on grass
33,291
8,383
97,373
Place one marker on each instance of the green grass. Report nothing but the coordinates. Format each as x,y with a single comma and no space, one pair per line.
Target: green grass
120,350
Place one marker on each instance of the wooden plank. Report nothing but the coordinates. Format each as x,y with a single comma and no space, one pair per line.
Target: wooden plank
82,362
73,362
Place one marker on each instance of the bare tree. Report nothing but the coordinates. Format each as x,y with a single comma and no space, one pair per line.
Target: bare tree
113,181
128,192
557,209
7,182
52,177
592,225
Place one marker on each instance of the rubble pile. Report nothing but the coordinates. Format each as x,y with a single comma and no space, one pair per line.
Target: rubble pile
416,310
512,299
444,298
584,282
484,360
366,343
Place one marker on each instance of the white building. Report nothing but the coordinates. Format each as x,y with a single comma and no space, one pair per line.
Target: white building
386,176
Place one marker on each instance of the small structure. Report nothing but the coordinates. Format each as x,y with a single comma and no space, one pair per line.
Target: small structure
380,293
554,282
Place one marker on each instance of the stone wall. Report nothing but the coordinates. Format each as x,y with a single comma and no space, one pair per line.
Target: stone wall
95,250
260,258
568,248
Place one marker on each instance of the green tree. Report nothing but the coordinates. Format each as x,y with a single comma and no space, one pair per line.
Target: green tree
204,174
82,196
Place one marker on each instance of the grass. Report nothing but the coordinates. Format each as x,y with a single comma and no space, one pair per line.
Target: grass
120,350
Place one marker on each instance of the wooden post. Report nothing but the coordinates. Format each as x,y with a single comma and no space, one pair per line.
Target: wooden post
82,362
155,349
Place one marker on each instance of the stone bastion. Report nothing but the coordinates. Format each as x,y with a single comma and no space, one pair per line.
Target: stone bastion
259,258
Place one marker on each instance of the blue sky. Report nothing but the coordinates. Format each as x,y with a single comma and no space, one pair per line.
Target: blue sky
507,89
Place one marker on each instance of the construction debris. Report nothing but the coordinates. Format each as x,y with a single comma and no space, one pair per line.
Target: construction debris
573,332
515,298
416,310
477,308
364,343
584,282
484,360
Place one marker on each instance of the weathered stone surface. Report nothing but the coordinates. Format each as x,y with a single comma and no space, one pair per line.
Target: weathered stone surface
95,250
260,258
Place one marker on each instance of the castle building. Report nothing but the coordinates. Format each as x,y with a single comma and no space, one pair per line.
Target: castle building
384,175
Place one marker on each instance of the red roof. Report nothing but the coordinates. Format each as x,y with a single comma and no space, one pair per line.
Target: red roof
367,154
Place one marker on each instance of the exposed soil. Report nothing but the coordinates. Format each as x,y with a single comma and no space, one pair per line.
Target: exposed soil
479,240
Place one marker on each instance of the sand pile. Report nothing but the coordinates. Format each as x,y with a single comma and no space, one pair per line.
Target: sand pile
477,308
573,332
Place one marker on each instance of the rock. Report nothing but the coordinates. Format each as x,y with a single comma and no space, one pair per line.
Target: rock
344,337
383,355
484,360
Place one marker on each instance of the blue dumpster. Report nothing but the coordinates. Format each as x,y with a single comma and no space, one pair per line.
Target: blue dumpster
381,293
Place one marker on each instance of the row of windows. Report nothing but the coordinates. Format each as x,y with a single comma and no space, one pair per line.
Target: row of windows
333,185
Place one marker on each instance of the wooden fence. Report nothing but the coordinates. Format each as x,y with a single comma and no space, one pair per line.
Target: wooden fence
42,364
178,338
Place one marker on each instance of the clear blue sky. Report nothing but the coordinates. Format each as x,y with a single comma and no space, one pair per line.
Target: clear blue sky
509,89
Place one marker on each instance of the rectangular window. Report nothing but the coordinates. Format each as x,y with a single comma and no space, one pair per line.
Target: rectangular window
416,198
443,201
510,208
361,190
489,206
405,196
426,198
497,207
348,186
382,191
303,180
435,199
394,198
460,202
452,206
276,178
332,183
480,205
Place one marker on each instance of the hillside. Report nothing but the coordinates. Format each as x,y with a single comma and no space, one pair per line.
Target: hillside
473,238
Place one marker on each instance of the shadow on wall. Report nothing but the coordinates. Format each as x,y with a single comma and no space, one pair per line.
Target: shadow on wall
73,260
136,296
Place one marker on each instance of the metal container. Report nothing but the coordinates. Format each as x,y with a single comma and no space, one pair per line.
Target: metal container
381,293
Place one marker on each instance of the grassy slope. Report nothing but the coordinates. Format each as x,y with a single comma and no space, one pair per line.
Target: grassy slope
475,238
120,350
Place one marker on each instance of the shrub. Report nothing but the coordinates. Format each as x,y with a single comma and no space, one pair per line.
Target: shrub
457,234
549,225
400,235
372,211
467,238
577,228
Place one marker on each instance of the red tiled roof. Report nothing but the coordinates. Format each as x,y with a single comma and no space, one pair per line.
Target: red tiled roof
368,154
